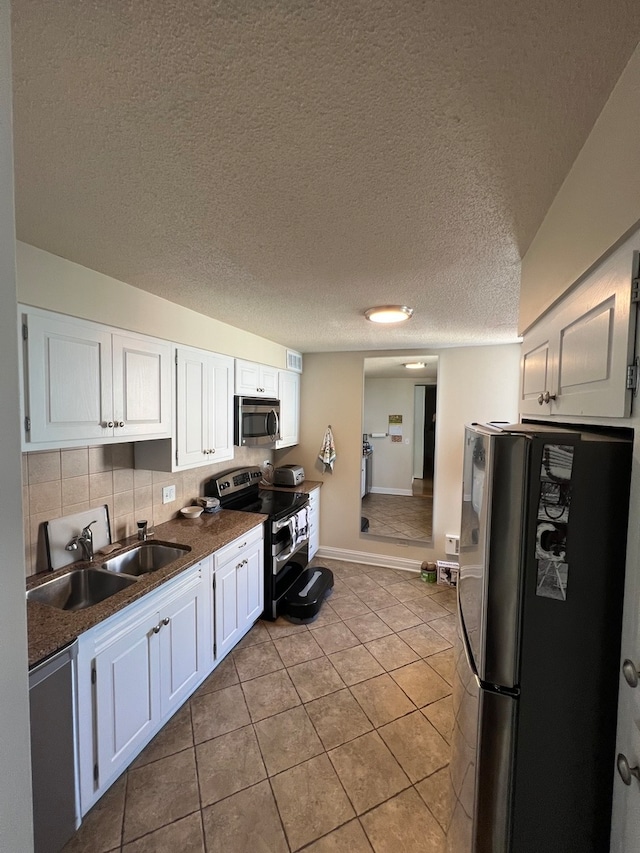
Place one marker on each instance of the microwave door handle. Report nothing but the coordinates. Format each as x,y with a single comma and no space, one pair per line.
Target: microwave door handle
277,423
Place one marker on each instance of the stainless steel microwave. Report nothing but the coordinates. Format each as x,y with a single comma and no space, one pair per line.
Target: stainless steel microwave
256,422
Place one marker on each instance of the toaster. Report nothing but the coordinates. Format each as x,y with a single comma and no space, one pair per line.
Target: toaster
288,475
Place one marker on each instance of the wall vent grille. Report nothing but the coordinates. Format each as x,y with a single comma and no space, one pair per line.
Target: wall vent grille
294,361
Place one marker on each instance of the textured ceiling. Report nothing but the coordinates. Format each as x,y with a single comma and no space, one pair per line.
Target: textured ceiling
283,165
393,367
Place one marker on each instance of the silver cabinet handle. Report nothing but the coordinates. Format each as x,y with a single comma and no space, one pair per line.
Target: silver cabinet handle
630,673
110,424
120,423
546,398
165,621
626,772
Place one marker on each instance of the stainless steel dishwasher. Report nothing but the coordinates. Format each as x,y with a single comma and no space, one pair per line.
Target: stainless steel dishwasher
52,698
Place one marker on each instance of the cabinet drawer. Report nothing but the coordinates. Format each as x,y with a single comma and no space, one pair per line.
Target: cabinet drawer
237,546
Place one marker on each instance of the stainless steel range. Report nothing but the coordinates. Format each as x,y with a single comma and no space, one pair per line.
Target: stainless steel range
286,541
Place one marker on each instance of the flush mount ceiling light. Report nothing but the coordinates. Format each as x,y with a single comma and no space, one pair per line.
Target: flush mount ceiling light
388,314
415,365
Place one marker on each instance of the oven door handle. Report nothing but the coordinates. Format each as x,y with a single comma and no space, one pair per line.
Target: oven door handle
284,556
285,522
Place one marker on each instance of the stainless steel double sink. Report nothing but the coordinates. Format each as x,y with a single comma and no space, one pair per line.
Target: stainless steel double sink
84,587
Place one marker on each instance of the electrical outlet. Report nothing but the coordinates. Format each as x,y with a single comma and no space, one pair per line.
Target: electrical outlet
168,494
452,546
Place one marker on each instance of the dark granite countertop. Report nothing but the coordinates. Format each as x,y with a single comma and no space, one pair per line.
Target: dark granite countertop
50,629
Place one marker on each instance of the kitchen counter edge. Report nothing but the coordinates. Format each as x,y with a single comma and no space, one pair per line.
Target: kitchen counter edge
305,487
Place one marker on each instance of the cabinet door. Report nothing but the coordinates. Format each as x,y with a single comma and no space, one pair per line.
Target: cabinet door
183,646
269,380
127,697
227,619
141,386
192,393
251,586
596,332
220,408
579,352
314,522
68,396
247,379
289,394
535,371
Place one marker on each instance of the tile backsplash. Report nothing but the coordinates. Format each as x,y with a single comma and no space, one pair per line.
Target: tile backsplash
63,482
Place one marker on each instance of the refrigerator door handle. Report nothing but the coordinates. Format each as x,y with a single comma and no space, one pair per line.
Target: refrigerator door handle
465,645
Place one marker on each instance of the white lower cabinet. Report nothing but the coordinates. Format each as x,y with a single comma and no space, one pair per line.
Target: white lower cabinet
314,522
134,671
238,589
138,667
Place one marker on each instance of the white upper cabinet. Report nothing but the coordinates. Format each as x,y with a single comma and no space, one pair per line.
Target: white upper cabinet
86,383
141,386
289,396
204,426
575,360
204,415
256,380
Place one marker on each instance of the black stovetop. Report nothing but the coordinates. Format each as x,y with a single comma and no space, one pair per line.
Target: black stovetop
274,504
239,489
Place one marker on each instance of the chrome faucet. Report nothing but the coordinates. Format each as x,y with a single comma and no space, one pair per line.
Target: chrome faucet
84,540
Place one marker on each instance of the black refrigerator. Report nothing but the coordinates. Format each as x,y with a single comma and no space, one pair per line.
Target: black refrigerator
540,595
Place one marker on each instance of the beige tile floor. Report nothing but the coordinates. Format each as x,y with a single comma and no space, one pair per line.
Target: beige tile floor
325,738
399,516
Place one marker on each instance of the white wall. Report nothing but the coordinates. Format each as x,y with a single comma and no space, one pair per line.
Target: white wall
47,281
597,204
476,383
15,780
392,461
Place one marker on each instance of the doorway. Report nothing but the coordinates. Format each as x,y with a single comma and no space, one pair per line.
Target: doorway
424,440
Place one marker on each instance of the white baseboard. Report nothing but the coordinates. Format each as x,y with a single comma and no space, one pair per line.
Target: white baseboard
366,557
378,490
